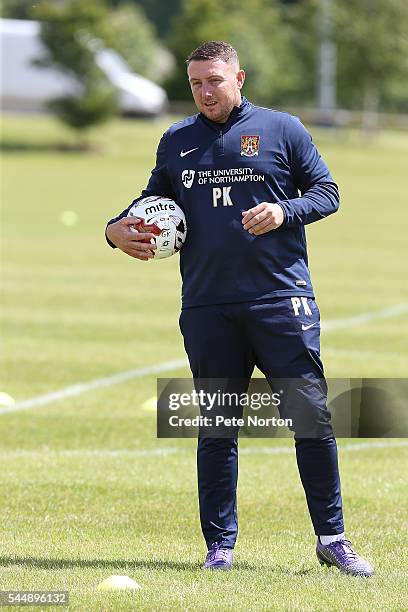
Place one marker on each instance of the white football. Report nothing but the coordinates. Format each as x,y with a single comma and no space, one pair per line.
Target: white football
163,218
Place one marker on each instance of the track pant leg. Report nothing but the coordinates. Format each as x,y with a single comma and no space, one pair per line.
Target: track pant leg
319,472
287,345
217,348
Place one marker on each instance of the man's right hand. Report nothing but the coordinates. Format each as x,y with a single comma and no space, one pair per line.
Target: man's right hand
126,237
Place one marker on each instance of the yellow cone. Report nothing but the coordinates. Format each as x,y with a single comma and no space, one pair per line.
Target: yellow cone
6,399
150,404
118,583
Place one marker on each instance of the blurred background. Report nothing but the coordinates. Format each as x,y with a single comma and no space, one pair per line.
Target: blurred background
87,489
331,61
87,89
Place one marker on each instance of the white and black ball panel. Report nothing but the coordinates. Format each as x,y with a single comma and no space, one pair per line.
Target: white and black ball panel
165,219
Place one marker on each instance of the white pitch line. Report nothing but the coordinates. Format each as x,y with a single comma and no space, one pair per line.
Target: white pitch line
387,313
111,453
172,450
280,450
357,354
98,383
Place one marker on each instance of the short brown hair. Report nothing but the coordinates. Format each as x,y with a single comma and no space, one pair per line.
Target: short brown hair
212,50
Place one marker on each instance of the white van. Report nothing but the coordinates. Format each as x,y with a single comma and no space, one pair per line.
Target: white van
24,86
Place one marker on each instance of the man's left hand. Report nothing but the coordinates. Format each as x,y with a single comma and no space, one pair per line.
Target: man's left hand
263,218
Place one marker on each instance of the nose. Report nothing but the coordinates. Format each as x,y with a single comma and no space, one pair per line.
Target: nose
207,91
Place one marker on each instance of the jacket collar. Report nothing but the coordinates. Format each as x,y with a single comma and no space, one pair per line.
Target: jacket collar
236,113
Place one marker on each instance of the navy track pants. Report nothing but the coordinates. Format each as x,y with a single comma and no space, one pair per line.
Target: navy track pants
282,338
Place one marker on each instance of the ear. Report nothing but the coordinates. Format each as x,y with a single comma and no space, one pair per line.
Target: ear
240,78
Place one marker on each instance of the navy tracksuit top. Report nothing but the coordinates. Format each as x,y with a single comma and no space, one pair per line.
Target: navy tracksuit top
214,172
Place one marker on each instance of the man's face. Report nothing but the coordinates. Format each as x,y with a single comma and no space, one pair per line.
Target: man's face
216,87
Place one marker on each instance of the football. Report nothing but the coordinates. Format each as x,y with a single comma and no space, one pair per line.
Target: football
163,218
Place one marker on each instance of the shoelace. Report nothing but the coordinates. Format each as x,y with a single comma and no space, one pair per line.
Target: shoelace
216,549
347,549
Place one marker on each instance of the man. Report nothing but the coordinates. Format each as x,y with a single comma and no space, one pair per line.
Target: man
249,179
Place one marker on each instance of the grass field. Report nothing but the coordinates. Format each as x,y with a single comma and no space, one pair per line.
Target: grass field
86,489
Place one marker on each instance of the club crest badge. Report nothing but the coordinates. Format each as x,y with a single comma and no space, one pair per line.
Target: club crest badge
250,145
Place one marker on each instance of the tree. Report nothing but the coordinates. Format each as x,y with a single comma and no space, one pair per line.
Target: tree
302,25
16,9
372,47
254,28
160,13
156,12
372,50
67,31
130,33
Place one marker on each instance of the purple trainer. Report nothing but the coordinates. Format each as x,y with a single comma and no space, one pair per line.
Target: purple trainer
218,558
341,555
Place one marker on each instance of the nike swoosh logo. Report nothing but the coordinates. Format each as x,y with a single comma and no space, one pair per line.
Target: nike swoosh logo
184,153
306,327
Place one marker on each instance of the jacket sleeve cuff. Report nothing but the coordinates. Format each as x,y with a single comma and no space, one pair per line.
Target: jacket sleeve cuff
113,246
285,216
